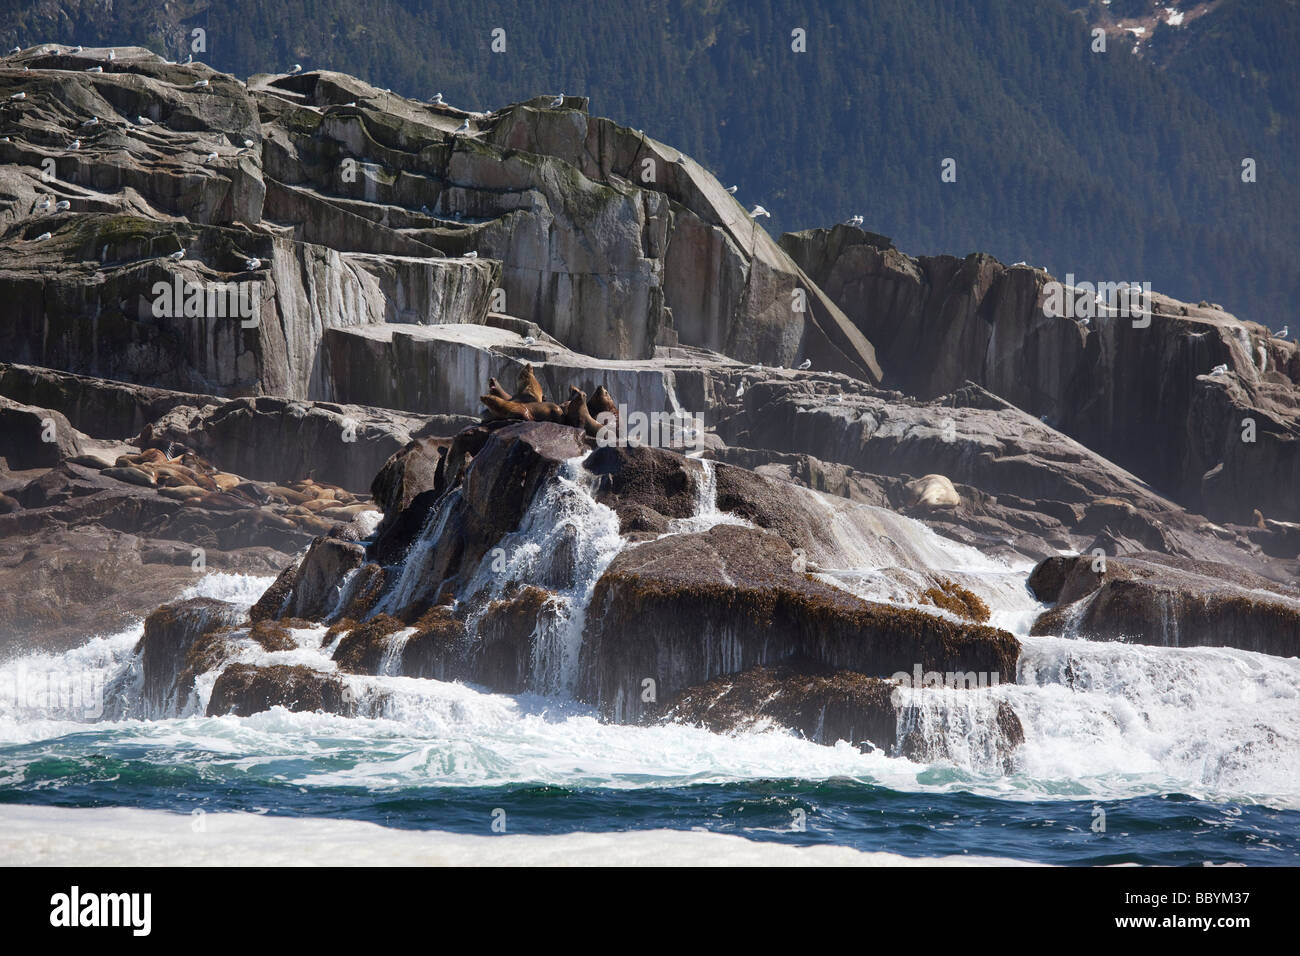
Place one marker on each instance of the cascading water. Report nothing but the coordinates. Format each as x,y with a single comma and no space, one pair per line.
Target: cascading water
1102,721
564,543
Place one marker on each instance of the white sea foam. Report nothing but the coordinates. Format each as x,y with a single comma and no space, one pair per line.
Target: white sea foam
114,836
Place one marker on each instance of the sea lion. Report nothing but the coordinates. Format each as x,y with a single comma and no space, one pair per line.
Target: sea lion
602,401
226,481
1259,520
130,474
932,491
576,413
524,411
529,389
494,388
182,492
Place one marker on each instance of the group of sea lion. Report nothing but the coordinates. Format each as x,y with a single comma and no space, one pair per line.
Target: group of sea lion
192,480
528,404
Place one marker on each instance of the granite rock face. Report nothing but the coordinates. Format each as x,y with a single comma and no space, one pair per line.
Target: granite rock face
856,456
323,204
1136,389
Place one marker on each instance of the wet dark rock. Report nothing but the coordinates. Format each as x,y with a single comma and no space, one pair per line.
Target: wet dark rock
821,706
243,690
683,609
1158,599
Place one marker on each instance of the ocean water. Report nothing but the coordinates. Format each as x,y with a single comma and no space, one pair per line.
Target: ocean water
1133,754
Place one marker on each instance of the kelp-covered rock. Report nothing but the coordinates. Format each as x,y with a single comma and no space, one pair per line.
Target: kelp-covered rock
243,689
685,608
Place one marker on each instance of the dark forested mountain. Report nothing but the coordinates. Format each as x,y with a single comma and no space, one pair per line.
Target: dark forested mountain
1120,165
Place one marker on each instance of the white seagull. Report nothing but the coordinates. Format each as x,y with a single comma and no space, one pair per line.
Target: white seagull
855,221
470,255
210,158
77,48
437,99
75,144
758,211
199,84
463,127
529,340
16,49
732,190
94,69
42,237
63,204
44,203
144,121
297,68
1219,370
558,102
805,364
93,121
177,256
251,264
1283,332
249,144
112,55
18,96
740,392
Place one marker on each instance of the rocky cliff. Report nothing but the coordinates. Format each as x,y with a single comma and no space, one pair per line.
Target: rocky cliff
251,325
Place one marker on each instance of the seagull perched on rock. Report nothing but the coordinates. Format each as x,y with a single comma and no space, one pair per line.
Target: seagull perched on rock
471,255
529,340
805,364
62,204
249,144
210,158
463,127
855,221
732,189
437,99
94,69
93,121
740,392
112,55
177,256
42,237
18,96
1219,370
16,49
1283,332
200,84
297,68
75,144
251,264
77,48
558,102
44,203
758,211
144,121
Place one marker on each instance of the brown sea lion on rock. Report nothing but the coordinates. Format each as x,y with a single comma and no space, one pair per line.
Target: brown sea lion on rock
523,411
494,388
576,413
130,474
601,401
529,389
